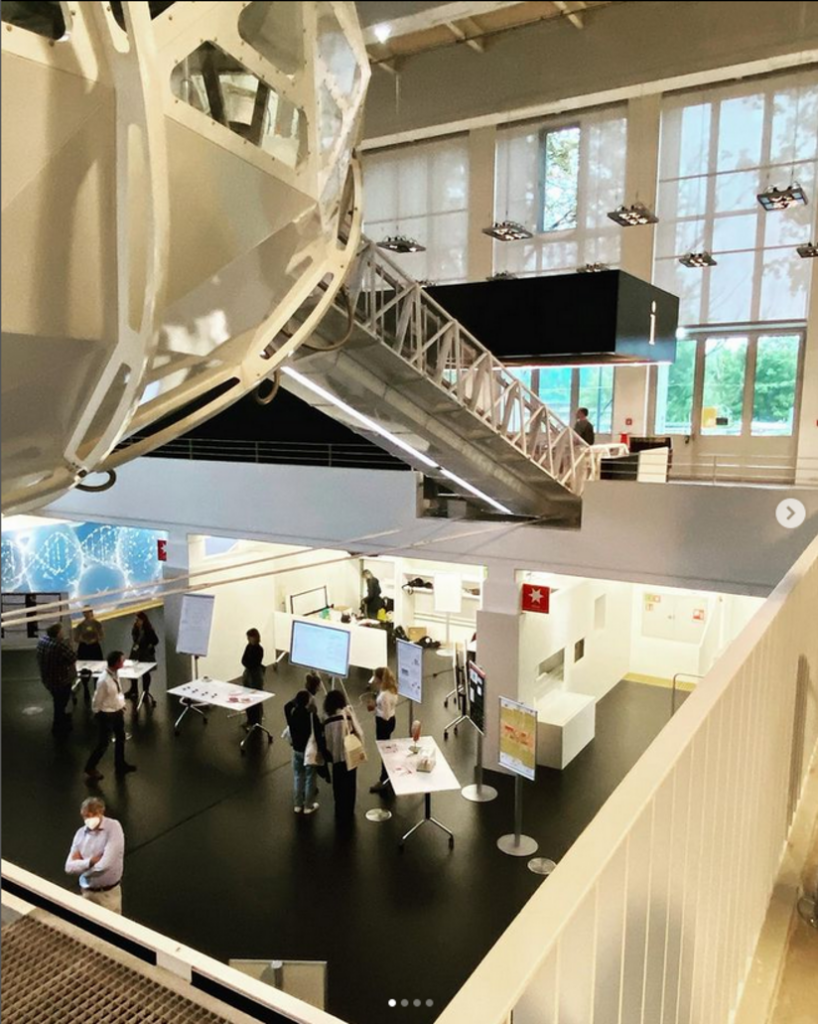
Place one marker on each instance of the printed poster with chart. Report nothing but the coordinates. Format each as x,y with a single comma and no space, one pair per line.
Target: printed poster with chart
410,671
518,738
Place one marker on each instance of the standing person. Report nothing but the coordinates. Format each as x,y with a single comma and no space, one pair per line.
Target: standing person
88,636
312,684
584,427
109,707
56,661
338,722
373,602
145,642
97,855
303,723
384,707
253,674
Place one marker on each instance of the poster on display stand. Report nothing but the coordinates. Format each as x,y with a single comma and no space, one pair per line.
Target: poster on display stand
476,680
195,623
410,671
518,738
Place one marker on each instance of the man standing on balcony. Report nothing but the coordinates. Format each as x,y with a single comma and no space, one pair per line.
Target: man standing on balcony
584,427
97,855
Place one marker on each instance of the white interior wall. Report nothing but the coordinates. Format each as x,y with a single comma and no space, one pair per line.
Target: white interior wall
248,603
571,618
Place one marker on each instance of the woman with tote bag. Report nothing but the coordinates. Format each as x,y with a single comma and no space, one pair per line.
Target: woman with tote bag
304,732
343,748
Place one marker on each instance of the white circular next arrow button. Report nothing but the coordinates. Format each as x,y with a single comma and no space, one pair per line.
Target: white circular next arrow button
791,513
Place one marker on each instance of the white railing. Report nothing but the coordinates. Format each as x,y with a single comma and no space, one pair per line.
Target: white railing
198,972
724,468
654,914
397,310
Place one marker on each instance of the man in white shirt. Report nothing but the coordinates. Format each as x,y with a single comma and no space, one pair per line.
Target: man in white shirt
109,708
96,856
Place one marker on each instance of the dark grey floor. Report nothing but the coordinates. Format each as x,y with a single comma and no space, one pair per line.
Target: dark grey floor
217,859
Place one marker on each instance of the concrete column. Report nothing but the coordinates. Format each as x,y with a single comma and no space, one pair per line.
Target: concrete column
482,144
807,466
631,385
498,650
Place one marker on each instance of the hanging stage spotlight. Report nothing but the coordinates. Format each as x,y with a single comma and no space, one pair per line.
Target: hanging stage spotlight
782,198
402,244
508,231
593,268
633,216
697,260
808,251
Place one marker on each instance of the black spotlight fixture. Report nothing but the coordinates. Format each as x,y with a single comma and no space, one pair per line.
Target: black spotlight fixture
697,260
508,231
782,198
808,251
402,244
593,268
502,275
633,216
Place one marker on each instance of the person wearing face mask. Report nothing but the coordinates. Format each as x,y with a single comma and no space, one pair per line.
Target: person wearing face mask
96,856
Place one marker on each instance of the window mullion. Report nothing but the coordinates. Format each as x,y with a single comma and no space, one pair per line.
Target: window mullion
748,406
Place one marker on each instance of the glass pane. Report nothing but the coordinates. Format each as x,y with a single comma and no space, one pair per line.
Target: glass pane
336,52
725,367
560,179
774,395
215,83
674,392
276,32
555,390
596,391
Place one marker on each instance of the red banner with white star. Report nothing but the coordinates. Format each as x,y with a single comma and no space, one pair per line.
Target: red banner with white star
536,598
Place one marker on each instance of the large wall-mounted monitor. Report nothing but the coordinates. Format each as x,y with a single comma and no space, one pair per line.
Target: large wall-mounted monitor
323,648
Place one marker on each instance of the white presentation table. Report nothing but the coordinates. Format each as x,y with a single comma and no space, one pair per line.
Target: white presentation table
406,780
130,670
212,693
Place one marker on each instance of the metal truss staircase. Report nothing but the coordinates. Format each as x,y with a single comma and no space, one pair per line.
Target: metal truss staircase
397,369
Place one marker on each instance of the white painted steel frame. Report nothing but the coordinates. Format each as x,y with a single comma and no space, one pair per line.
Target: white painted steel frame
136,65
398,311
653,915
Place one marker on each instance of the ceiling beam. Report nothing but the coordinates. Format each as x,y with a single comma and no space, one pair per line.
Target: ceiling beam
574,16
468,32
443,14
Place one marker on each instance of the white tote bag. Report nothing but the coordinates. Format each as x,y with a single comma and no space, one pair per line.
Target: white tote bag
312,755
354,753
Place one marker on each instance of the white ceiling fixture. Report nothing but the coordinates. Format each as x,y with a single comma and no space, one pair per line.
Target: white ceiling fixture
382,32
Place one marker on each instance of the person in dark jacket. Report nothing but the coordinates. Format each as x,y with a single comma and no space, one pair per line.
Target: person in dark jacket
145,642
584,427
303,723
373,602
88,636
56,660
253,674
340,721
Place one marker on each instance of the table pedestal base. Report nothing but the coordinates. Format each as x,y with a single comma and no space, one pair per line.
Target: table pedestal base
427,797
517,846
189,705
251,730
